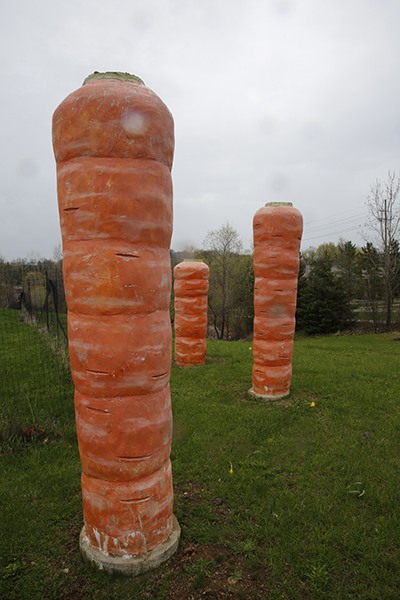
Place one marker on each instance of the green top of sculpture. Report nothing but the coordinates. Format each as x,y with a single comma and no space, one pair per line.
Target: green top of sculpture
279,204
113,75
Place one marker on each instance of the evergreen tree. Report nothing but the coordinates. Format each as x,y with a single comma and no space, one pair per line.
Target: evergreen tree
323,305
347,265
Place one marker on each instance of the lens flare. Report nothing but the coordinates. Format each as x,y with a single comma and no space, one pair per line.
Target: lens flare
134,123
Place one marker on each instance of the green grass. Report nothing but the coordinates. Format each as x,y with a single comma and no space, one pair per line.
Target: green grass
315,488
310,510
36,386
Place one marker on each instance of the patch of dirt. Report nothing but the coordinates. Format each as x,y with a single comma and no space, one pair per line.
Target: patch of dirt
30,433
204,571
194,572
191,493
218,359
210,570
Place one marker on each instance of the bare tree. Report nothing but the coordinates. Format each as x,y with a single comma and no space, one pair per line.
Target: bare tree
223,252
384,223
58,253
370,283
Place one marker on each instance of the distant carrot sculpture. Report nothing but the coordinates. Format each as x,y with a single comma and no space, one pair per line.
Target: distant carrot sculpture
190,303
113,142
277,231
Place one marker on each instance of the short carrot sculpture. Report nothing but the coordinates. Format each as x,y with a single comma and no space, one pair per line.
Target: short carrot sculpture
277,231
113,142
190,303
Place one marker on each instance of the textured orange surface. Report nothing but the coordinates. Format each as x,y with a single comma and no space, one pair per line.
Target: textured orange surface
277,236
113,142
190,303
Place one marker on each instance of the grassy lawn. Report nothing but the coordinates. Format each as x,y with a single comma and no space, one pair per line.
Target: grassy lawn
35,386
296,499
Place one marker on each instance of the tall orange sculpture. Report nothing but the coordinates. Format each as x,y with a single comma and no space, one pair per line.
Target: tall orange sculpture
113,142
190,303
277,229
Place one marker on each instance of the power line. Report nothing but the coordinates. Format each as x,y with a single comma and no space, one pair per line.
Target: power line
335,223
323,226
343,212
324,235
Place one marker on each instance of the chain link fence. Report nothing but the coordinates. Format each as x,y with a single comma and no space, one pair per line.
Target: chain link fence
36,389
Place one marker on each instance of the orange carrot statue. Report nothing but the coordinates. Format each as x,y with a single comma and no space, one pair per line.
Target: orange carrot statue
190,289
277,231
113,142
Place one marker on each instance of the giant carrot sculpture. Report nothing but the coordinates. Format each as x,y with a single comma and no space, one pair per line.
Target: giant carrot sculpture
113,142
190,303
277,231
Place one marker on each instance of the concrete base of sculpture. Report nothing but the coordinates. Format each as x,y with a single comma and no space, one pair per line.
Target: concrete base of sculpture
131,565
268,396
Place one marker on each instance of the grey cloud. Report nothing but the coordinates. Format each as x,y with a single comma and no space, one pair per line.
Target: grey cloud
271,98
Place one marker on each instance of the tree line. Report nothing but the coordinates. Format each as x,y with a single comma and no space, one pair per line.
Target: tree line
343,286
339,285
231,282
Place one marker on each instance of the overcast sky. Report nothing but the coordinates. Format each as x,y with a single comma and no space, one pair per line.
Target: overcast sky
273,100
